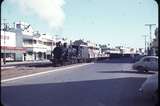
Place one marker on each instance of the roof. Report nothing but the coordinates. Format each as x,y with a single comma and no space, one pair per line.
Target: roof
150,57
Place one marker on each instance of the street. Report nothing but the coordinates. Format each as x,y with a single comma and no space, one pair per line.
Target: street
89,84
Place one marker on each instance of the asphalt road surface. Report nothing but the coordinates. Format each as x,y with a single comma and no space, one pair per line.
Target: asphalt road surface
93,84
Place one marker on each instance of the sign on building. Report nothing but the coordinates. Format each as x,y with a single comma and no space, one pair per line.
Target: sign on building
8,39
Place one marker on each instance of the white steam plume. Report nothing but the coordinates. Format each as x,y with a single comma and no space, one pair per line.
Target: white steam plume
49,10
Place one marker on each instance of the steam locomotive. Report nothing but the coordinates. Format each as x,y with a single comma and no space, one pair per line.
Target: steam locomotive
75,54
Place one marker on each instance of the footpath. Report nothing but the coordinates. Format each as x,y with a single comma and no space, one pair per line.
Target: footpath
22,63
13,64
14,69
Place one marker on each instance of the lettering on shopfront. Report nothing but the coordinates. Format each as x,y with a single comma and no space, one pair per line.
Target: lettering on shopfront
5,37
8,39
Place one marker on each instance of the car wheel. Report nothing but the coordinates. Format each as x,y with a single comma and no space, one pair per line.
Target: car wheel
140,68
146,70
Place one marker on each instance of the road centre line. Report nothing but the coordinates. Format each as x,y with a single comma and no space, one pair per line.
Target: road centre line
40,73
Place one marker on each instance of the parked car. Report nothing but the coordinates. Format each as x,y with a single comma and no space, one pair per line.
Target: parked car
147,63
137,57
150,87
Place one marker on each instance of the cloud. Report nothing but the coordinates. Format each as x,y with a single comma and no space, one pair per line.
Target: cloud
50,11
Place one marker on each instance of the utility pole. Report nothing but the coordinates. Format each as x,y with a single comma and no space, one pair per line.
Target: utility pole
145,42
4,37
150,30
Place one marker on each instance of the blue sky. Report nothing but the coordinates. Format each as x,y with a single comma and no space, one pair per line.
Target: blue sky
118,22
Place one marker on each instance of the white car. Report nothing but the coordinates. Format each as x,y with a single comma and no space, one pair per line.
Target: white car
150,87
147,63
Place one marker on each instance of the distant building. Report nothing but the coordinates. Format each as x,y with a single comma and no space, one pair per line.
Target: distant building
93,49
126,50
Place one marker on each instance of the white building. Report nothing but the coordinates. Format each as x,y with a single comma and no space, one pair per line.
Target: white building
26,44
9,46
94,49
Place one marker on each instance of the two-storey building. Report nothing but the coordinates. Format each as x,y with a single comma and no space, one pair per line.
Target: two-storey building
22,43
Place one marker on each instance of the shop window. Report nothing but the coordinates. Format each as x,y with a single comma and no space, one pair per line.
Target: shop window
27,41
30,53
40,42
